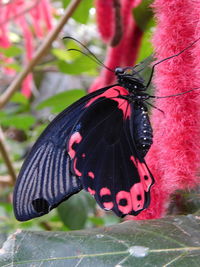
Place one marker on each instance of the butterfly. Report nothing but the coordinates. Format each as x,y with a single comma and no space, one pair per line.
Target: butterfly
97,144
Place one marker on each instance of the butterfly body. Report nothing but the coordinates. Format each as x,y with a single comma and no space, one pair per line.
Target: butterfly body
97,144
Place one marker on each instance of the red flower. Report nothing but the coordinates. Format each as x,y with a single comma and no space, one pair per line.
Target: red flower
175,155
125,53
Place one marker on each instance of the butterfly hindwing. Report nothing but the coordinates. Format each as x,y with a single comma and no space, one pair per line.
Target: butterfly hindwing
45,178
105,158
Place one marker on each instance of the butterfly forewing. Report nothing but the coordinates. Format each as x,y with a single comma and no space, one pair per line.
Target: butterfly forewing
45,178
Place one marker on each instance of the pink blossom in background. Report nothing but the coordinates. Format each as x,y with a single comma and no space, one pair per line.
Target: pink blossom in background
175,155
105,19
33,18
125,53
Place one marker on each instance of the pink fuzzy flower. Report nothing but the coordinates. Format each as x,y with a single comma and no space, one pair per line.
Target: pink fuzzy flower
175,155
105,18
47,11
125,53
27,84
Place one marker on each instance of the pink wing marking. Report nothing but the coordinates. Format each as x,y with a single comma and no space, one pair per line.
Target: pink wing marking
92,192
106,192
77,172
143,173
75,138
108,205
137,195
133,160
126,198
114,92
91,175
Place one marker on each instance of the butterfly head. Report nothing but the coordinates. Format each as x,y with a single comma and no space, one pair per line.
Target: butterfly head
130,79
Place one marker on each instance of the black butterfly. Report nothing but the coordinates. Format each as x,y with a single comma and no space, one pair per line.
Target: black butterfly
97,144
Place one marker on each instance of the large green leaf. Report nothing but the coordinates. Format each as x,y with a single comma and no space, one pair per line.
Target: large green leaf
11,51
146,48
23,121
80,65
173,241
74,211
19,98
82,12
143,15
62,100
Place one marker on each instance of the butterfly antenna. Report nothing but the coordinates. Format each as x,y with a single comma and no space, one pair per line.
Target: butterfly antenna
92,57
158,97
152,71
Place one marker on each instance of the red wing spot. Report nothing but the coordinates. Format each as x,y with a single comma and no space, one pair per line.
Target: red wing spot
144,176
137,195
105,191
143,173
83,155
91,175
113,94
75,138
108,205
92,192
124,196
77,172
133,160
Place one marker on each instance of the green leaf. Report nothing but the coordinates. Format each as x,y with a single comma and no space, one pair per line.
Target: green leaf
184,202
61,54
146,48
62,100
107,219
74,211
23,122
19,98
13,66
82,12
143,15
80,65
173,241
11,51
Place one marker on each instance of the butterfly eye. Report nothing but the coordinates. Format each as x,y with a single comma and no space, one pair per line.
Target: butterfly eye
119,71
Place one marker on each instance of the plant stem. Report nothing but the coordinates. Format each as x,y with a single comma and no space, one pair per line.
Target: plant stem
6,158
42,50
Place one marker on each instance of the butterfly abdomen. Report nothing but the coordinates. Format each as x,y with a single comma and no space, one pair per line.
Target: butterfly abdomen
143,133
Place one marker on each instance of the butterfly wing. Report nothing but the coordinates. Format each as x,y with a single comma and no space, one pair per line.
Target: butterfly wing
45,178
105,157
